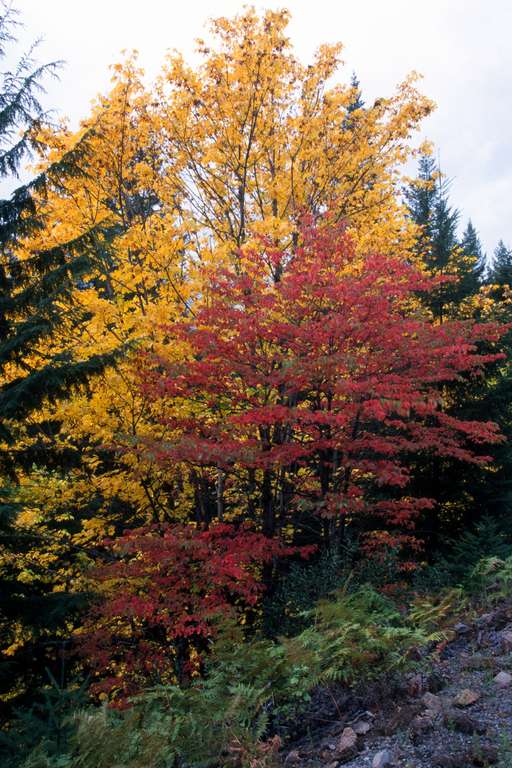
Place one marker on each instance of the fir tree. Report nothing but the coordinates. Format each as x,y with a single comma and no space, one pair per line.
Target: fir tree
35,303
420,197
472,249
356,102
438,247
34,291
444,235
501,271
427,199
21,116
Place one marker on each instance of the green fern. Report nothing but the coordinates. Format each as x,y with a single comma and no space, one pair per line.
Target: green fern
433,614
353,637
492,578
224,718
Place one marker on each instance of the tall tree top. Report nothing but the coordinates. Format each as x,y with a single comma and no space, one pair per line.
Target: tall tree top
21,111
437,242
501,272
357,98
21,117
421,194
472,249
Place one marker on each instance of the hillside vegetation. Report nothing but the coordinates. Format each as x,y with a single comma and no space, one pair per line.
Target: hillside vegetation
255,409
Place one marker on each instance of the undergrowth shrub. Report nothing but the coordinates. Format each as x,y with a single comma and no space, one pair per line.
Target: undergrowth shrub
353,636
488,538
218,720
252,688
224,718
433,613
287,610
491,579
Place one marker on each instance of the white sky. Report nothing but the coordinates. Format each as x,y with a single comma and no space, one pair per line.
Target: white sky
462,47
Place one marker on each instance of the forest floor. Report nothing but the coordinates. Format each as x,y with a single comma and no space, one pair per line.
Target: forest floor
454,713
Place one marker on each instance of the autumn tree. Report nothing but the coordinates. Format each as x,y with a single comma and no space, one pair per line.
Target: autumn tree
162,596
253,137
183,174
311,379
176,177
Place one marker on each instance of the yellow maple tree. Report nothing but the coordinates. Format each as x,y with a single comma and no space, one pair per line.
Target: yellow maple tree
179,177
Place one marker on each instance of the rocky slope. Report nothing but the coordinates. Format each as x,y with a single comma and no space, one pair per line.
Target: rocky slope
455,712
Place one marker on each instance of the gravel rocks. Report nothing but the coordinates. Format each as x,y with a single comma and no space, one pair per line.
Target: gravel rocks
383,759
461,723
503,679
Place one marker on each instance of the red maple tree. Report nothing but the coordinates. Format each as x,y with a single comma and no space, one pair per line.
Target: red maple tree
161,597
313,377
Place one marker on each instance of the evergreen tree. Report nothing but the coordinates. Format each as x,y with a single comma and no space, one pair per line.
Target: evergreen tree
438,247
444,234
427,199
21,114
35,292
501,271
356,102
496,492
472,249
35,304
420,197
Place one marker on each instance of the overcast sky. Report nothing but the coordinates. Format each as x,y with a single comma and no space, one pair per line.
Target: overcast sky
463,48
